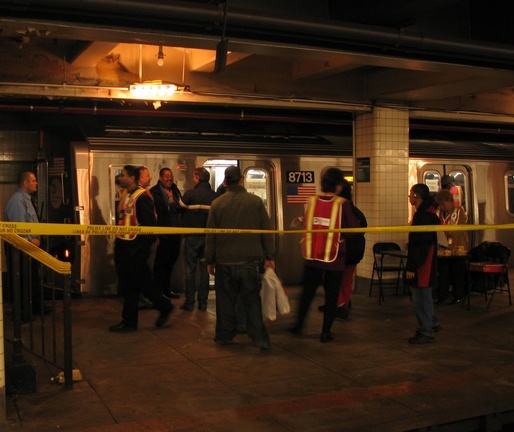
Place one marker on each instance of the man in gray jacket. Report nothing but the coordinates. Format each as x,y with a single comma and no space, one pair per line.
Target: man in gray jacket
236,260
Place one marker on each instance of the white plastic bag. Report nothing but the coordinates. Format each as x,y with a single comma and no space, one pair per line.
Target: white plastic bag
273,296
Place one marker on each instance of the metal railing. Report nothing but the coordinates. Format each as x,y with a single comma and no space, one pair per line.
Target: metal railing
41,318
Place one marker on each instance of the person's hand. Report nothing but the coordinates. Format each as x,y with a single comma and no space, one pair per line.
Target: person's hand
410,275
36,242
269,263
211,269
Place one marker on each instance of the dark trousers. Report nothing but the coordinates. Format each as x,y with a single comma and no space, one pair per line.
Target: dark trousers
451,272
242,280
194,251
135,277
166,256
312,279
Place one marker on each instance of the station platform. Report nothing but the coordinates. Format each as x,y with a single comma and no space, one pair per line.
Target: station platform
369,378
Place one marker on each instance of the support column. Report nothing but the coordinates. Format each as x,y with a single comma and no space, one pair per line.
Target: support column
383,137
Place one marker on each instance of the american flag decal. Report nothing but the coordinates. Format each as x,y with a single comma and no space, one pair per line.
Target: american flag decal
299,194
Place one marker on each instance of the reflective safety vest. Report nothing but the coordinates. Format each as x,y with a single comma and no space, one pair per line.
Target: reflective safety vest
127,212
322,215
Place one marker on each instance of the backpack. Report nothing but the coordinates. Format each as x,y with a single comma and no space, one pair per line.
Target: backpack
356,243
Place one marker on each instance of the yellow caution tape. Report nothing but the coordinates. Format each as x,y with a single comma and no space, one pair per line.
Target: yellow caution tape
24,228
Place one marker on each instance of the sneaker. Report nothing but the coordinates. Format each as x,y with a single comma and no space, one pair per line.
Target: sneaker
420,339
437,328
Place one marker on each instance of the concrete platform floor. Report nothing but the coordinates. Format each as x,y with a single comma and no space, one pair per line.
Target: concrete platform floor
369,379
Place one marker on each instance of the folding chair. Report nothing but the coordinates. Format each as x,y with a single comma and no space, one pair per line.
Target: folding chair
385,264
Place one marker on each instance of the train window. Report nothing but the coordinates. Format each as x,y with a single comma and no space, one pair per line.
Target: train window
433,180
216,168
255,183
509,191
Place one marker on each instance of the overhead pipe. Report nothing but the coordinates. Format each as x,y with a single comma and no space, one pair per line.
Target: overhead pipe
241,116
310,30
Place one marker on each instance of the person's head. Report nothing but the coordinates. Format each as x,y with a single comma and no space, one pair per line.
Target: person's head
166,177
447,181
129,177
145,178
346,192
418,193
444,198
27,181
232,176
200,174
332,181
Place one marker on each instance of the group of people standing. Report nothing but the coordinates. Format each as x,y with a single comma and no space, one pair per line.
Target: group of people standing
237,259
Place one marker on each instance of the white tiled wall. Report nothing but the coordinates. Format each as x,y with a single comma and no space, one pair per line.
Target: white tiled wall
383,136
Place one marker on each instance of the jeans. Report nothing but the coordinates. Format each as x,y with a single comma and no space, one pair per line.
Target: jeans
194,250
424,310
242,280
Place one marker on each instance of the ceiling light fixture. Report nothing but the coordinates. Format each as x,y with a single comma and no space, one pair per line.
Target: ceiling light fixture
156,90
160,56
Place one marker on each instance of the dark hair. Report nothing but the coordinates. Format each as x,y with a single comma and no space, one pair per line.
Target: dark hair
232,175
332,177
161,171
347,190
421,190
202,174
132,171
447,181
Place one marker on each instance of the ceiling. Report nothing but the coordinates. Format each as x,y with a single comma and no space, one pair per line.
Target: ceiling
443,56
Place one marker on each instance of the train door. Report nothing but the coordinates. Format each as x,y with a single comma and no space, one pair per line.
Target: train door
457,178
259,180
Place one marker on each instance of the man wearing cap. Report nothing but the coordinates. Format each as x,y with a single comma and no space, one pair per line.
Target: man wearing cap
236,260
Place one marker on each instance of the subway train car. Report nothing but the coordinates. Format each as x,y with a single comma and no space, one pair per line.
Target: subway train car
282,171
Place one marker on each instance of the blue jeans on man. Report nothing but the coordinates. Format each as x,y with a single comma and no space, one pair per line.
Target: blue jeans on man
424,309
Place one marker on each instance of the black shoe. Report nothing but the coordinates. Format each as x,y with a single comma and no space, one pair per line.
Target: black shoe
172,295
202,307
122,327
326,337
187,306
420,339
321,308
164,317
437,328
222,342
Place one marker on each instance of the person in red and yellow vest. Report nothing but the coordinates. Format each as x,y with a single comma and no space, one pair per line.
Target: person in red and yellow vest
131,253
324,252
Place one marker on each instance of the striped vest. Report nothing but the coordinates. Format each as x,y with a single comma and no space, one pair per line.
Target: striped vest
322,215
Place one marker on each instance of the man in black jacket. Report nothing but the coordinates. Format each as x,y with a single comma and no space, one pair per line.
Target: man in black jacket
197,203
131,253
166,197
